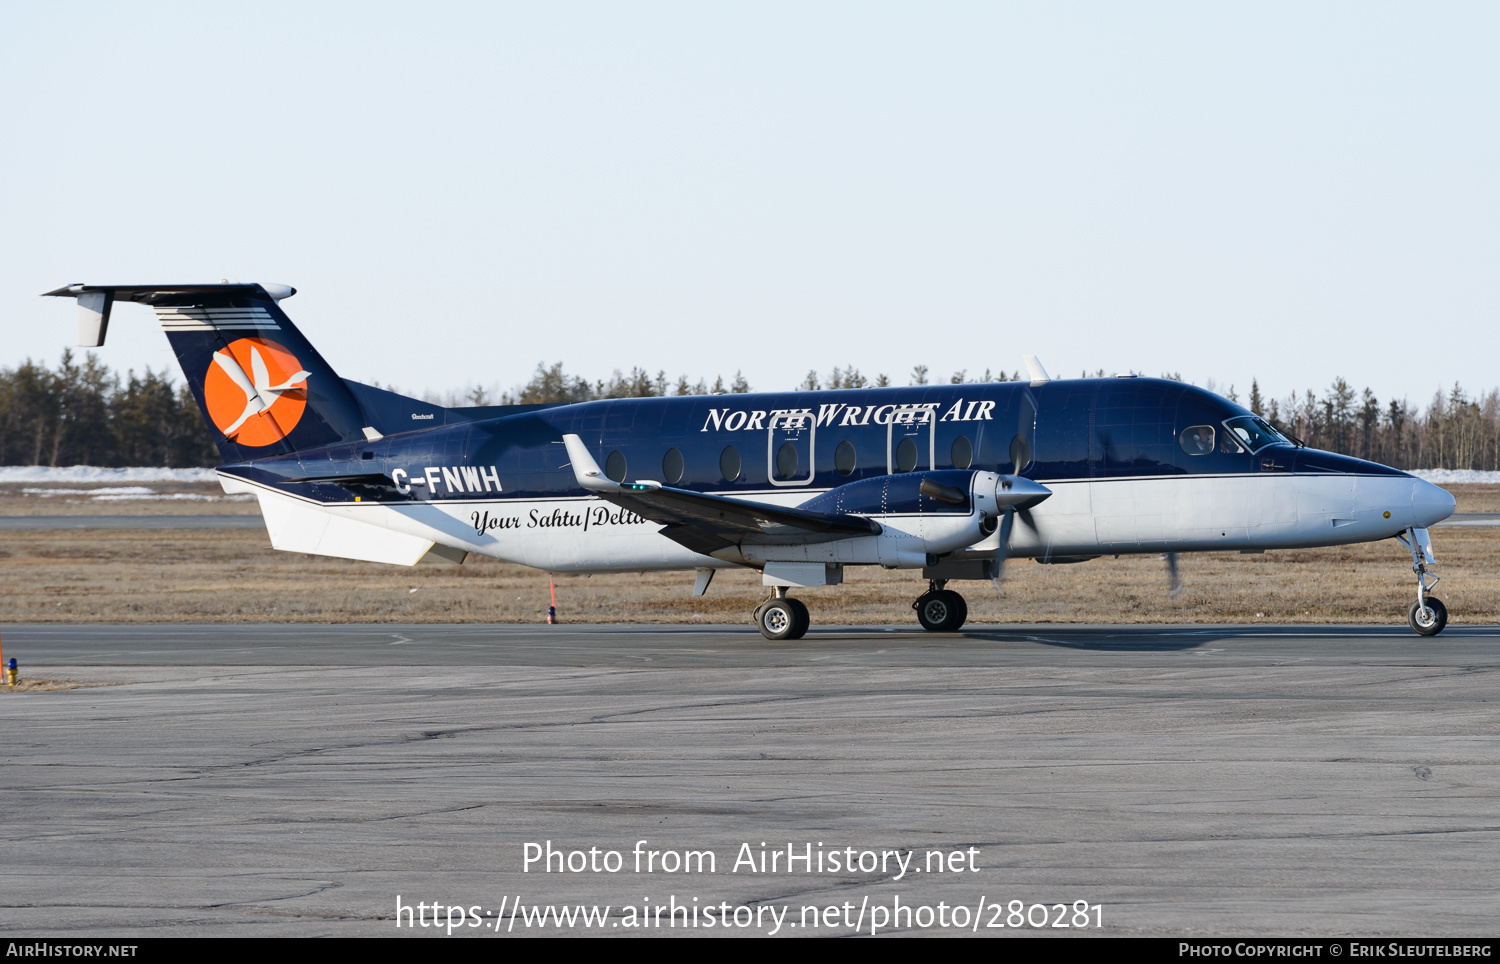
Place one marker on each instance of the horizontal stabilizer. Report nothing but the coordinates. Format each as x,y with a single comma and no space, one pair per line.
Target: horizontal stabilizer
96,301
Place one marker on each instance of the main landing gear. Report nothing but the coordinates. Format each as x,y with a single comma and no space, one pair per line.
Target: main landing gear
1427,616
782,617
940,610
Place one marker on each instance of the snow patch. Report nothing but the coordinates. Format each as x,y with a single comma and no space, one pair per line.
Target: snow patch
127,490
1458,476
94,473
176,496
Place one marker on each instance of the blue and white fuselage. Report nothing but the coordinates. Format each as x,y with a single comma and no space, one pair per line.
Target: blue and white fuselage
948,479
1109,451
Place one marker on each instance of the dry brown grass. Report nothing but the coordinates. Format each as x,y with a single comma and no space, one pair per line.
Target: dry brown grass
233,576
1476,498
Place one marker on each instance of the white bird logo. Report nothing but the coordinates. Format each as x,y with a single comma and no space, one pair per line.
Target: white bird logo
260,394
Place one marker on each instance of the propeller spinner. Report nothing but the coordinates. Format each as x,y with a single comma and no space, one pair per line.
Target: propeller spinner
1016,496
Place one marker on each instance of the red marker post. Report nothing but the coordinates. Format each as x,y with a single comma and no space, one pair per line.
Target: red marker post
552,607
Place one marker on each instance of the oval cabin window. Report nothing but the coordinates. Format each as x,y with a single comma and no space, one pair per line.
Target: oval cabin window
671,467
962,453
844,458
786,461
906,455
729,463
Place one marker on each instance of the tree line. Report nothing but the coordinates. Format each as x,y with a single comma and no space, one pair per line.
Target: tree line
81,413
1455,430
552,385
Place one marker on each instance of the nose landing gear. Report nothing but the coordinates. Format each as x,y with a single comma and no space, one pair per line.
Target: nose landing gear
1427,616
940,610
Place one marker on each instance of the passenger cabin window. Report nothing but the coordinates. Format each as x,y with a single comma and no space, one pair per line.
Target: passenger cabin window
729,463
962,453
844,458
614,466
906,455
1020,453
671,467
786,461
1197,439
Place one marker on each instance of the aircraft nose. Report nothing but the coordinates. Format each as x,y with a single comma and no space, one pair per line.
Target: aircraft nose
1430,504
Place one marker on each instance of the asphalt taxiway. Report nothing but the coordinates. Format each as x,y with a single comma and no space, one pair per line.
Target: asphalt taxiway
1187,780
685,646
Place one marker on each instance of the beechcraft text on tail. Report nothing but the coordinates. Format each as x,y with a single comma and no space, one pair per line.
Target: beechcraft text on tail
948,481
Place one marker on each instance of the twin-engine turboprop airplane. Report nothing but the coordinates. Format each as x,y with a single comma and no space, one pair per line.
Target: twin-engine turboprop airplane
950,480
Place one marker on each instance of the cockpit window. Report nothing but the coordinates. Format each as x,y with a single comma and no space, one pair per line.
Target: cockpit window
1197,439
1254,432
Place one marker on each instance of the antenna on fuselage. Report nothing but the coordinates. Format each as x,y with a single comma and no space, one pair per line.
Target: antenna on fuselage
1034,368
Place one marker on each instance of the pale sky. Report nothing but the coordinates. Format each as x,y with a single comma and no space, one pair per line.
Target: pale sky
1291,192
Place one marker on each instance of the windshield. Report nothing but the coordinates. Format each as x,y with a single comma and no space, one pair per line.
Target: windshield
1254,432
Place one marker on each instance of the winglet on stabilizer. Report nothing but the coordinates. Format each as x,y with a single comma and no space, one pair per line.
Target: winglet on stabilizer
93,317
591,477
585,469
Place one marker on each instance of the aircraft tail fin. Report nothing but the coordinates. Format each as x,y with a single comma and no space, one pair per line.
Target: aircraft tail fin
260,384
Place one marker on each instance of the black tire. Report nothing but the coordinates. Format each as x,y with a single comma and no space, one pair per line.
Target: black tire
804,619
1430,623
941,612
962,606
777,619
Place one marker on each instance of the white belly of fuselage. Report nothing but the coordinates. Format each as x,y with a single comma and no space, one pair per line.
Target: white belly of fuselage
1091,517
1207,513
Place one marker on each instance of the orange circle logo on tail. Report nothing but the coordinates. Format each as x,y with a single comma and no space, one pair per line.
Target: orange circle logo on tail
255,391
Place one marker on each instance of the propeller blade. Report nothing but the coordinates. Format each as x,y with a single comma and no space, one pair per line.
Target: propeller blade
1174,578
1002,550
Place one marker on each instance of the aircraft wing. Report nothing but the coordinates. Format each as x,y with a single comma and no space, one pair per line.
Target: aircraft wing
706,523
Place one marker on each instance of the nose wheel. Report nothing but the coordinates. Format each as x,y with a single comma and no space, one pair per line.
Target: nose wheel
782,617
1427,616
1429,619
940,610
